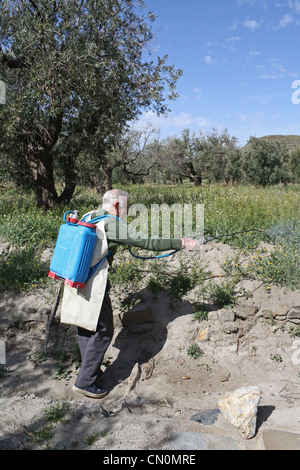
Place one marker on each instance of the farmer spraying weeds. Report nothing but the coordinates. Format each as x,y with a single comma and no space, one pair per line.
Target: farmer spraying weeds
89,307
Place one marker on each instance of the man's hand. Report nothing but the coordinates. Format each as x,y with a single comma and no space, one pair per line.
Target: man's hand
190,244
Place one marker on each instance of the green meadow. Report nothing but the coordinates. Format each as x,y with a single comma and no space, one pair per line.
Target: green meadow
28,231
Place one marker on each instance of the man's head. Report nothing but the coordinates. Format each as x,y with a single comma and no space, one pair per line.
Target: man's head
116,202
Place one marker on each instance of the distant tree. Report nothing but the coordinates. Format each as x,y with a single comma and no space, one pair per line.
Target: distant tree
75,72
266,162
295,165
177,157
213,152
233,170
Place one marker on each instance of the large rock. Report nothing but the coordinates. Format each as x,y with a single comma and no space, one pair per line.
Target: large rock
240,409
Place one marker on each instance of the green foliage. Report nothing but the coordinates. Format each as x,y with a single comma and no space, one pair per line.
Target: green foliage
21,269
295,164
266,162
223,294
55,413
195,351
279,265
63,117
226,209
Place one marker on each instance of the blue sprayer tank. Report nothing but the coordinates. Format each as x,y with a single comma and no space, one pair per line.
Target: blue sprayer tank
73,252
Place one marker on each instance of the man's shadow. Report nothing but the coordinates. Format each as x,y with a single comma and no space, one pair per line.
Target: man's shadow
139,341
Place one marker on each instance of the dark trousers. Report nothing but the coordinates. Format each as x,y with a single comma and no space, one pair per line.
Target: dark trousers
93,345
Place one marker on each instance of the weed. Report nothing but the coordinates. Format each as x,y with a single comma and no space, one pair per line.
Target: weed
21,269
222,294
200,315
37,357
55,413
276,357
195,351
4,371
44,434
91,439
293,331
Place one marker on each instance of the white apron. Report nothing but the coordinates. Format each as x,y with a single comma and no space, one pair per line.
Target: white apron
81,307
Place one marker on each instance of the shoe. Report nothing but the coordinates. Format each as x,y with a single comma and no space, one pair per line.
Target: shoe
92,392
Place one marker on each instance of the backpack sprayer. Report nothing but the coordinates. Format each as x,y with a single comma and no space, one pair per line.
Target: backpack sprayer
74,250
75,247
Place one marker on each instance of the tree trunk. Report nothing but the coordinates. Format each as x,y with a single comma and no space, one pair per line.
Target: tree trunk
96,183
70,181
107,170
42,172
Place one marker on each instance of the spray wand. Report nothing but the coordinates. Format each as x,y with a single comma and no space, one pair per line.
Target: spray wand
210,239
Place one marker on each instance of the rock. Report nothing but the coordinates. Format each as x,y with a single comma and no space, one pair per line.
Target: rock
281,312
204,335
281,440
268,314
230,327
294,315
224,377
244,311
213,316
226,316
141,315
207,418
198,441
240,409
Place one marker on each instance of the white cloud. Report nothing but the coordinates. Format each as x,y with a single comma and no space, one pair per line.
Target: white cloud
234,26
198,93
234,39
251,24
242,116
295,5
254,53
208,59
285,21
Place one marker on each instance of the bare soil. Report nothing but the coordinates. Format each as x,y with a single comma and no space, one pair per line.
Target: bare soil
155,385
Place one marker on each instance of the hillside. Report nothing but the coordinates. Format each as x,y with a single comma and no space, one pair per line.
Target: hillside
292,141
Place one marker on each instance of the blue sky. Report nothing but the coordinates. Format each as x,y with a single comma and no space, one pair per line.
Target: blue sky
240,59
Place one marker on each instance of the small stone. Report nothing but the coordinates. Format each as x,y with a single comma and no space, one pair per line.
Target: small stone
207,418
213,316
294,314
204,335
268,314
226,316
243,311
134,316
282,311
224,378
240,409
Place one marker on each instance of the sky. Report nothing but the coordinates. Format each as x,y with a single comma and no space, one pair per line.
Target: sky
240,62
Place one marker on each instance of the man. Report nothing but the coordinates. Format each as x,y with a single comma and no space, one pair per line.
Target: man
94,343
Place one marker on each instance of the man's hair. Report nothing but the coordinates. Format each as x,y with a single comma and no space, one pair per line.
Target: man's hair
114,195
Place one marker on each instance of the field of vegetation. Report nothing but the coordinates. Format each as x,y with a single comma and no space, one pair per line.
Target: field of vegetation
276,209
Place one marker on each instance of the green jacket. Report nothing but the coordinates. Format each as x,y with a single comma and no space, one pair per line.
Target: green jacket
119,233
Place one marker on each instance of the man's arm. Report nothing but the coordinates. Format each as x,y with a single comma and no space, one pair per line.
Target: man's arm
119,233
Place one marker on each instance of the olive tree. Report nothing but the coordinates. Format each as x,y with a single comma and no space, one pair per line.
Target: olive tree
76,72
266,162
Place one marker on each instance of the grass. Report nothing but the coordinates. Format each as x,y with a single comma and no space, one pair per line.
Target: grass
226,209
